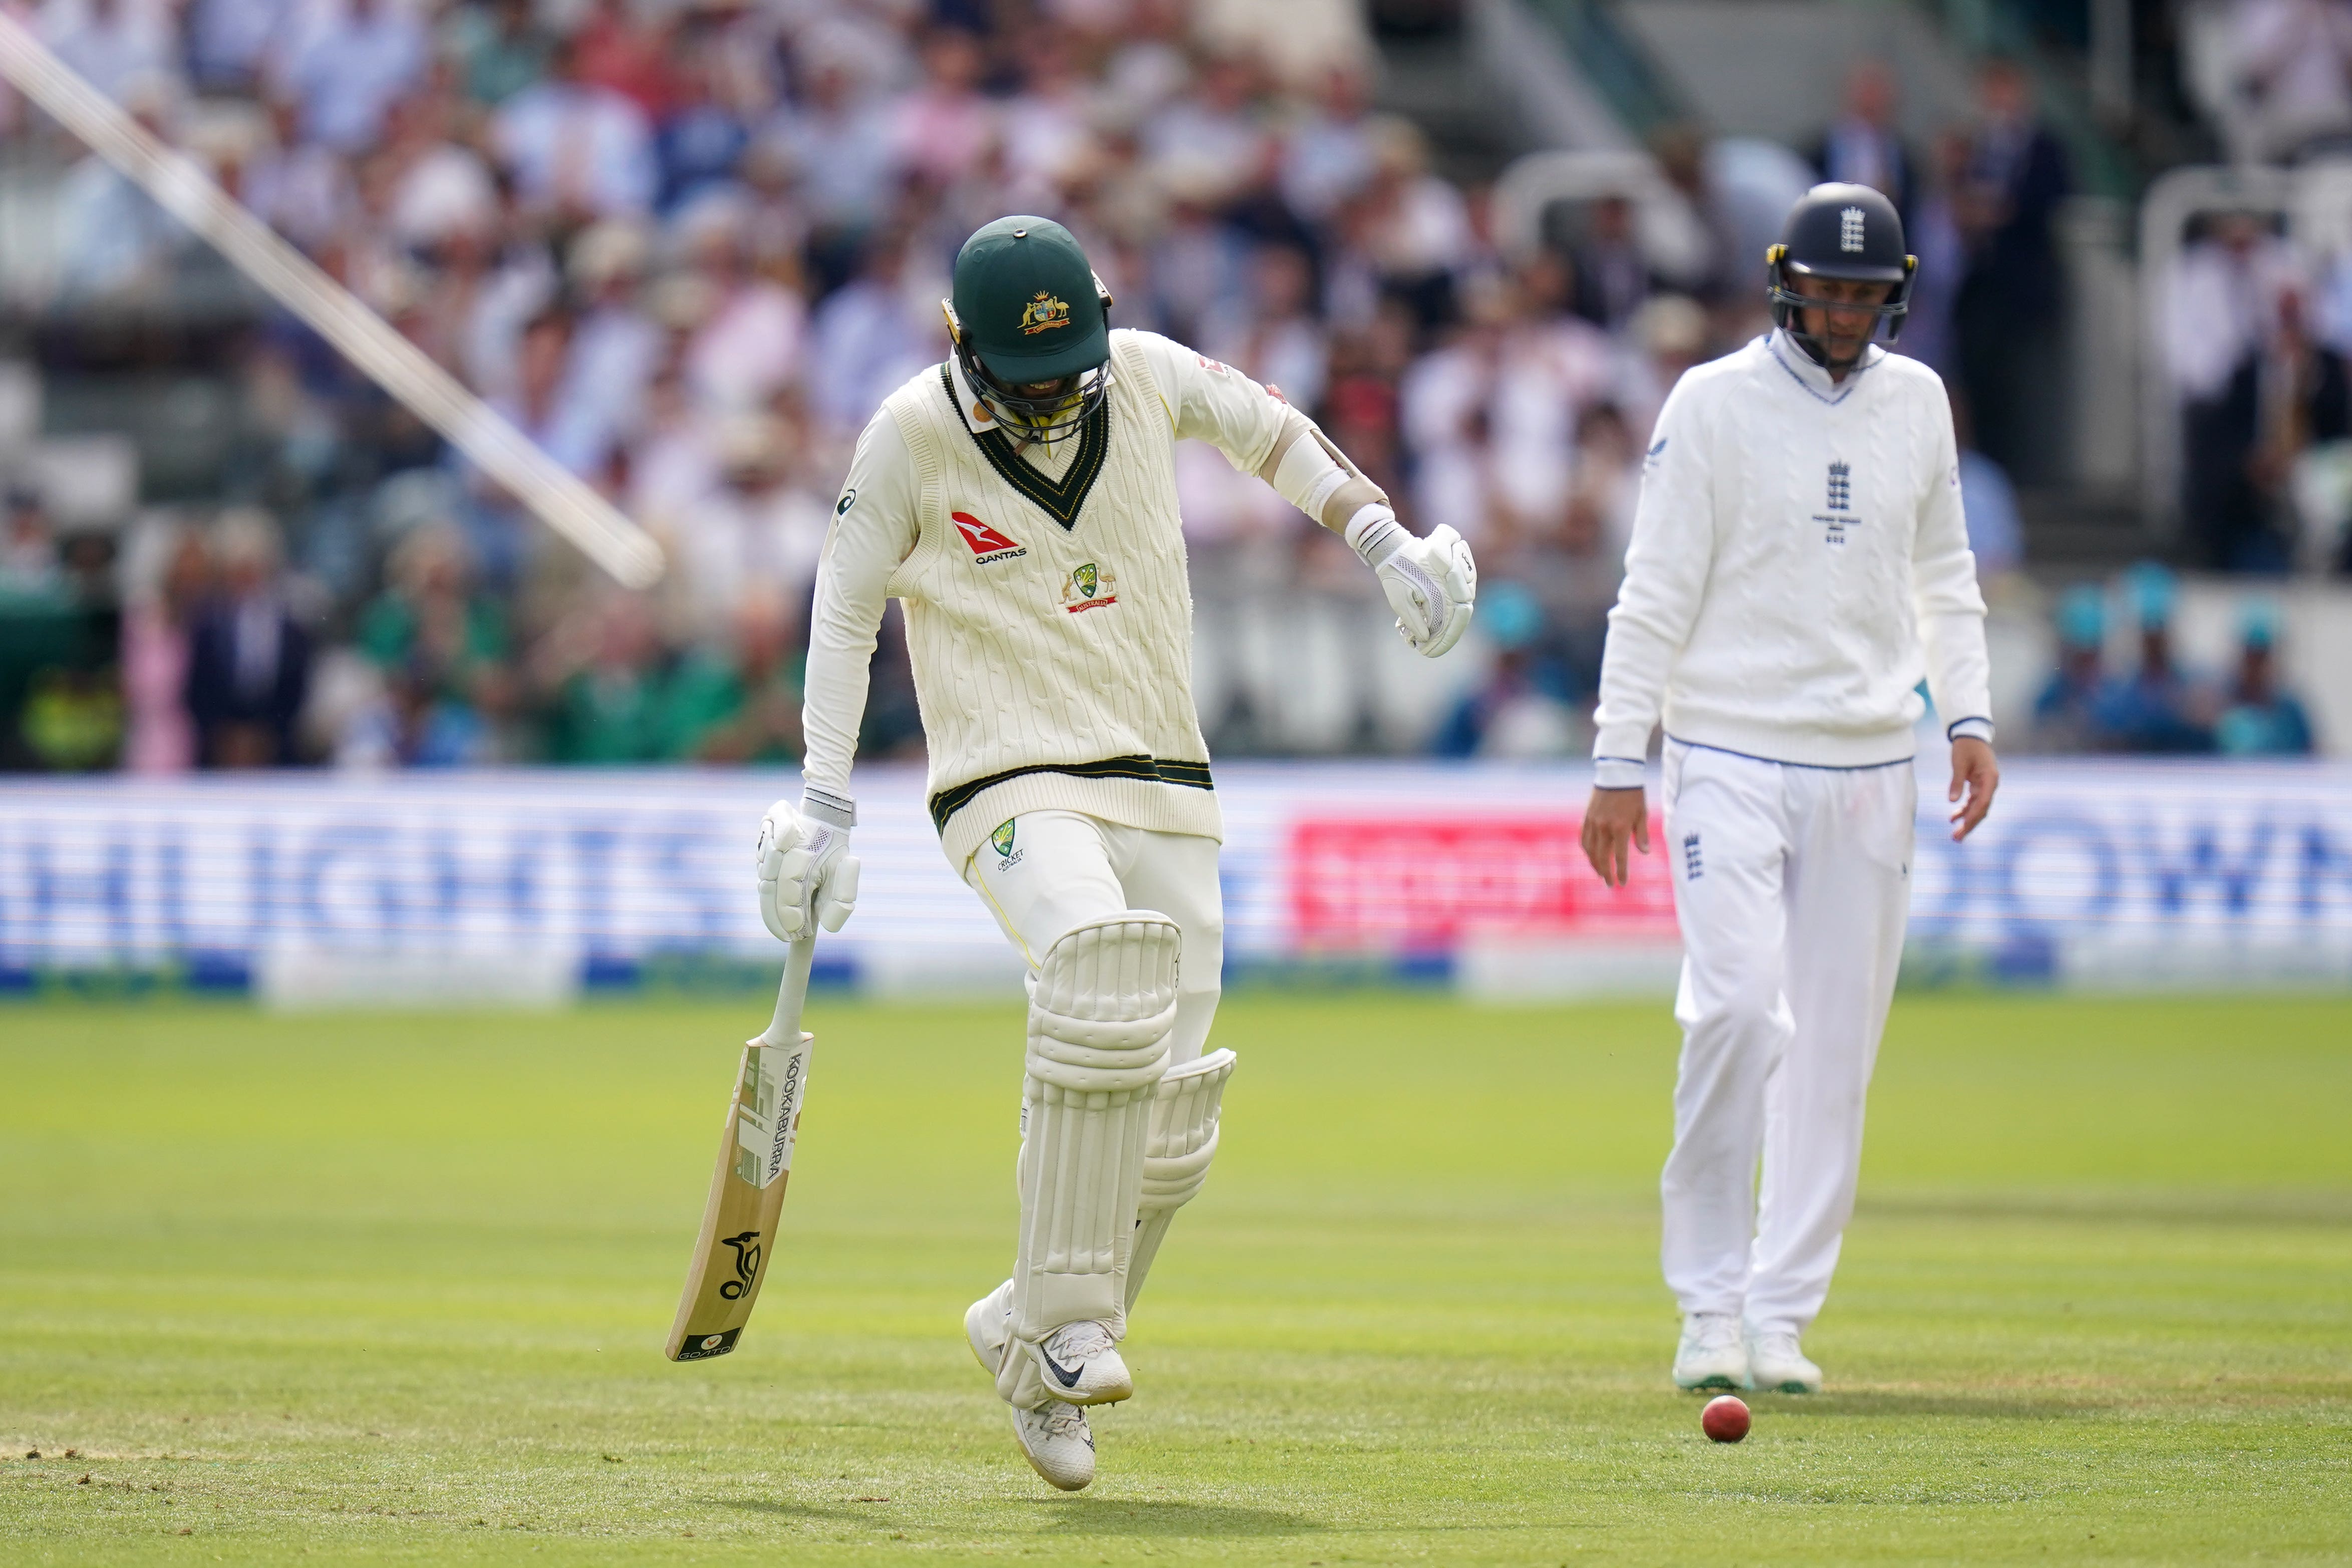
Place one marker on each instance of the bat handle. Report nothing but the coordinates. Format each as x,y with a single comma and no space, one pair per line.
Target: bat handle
785,1028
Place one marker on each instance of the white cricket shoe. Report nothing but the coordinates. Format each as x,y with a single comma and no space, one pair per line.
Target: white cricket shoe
1055,1438
1777,1364
988,1324
1080,1363
1058,1442
1711,1355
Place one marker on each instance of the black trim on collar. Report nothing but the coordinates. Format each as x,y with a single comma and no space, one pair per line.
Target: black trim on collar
1059,500
1147,770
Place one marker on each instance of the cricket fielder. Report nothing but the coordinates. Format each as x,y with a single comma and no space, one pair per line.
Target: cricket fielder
1798,562
1020,501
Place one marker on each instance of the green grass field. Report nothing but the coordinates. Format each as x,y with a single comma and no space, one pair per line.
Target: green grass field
395,1289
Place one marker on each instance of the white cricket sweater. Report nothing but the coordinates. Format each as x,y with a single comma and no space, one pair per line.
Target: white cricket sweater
1798,559
1049,616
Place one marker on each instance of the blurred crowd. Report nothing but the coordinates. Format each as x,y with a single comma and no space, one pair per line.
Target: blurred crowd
688,246
2146,701
2254,321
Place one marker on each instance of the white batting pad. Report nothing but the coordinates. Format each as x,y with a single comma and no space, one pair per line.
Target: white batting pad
1180,1142
1099,1013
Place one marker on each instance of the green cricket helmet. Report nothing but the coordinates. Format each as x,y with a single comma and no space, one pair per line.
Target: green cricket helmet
1028,310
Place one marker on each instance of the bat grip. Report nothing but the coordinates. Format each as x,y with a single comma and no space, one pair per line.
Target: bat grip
791,996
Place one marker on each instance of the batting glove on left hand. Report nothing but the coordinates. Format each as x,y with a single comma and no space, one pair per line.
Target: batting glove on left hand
807,876
1432,583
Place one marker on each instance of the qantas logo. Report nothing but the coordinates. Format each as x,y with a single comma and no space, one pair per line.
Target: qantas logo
987,544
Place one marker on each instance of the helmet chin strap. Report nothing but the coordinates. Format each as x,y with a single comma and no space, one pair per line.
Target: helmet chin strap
1818,351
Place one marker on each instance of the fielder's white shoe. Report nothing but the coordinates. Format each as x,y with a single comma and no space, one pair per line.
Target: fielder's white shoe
1777,1365
1712,1356
1058,1442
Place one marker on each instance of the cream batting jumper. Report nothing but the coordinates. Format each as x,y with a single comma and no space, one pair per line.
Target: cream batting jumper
1047,607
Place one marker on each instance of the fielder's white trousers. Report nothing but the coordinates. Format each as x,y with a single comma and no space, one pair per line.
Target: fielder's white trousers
1066,868
1793,885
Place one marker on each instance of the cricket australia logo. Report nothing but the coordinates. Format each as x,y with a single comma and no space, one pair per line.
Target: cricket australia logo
1001,841
747,1264
1043,314
1849,230
988,545
1838,514
1091,586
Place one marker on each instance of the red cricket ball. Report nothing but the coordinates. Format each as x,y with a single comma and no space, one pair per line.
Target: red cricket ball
1725,1419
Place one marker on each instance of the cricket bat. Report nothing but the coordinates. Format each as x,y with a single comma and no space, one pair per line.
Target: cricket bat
737,1244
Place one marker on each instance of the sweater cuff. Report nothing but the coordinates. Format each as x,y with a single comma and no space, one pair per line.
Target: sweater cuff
1618,772
824,806
1974,728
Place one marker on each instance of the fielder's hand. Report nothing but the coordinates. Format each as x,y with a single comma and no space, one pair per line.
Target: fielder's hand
1975,776
1432,583
807,877
1613,819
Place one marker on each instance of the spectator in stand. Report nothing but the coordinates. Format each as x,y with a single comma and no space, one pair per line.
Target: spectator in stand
498,48
740,702
29,568
1279,341
2225,321
2011,301
1988,502
1863,145
1934,231
1328,156
2152,709
114,243
2260,717
836,133
359,59
575,149
1414,227
702,136
570,421
872,335
617,348
2305,401
113,44
601,671
941,130
748,347
1723,277
619,51
229,41
2065,713
156,624
1613,275
2294,57
248,658
442,647
1517,712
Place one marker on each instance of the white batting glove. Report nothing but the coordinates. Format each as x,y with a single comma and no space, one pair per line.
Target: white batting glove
807,876
1432,583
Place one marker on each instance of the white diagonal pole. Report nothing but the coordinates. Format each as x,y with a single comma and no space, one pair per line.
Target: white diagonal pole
556,496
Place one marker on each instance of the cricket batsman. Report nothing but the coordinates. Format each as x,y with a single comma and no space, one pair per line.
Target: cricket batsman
1798,562
1020,501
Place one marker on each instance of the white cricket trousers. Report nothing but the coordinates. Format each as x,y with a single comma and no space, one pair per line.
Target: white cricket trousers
1793,885
1066,868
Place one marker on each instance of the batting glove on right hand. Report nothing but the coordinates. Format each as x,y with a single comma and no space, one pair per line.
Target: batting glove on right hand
807,876
1432,583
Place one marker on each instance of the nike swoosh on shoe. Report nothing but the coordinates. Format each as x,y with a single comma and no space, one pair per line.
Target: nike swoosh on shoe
1067,1379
